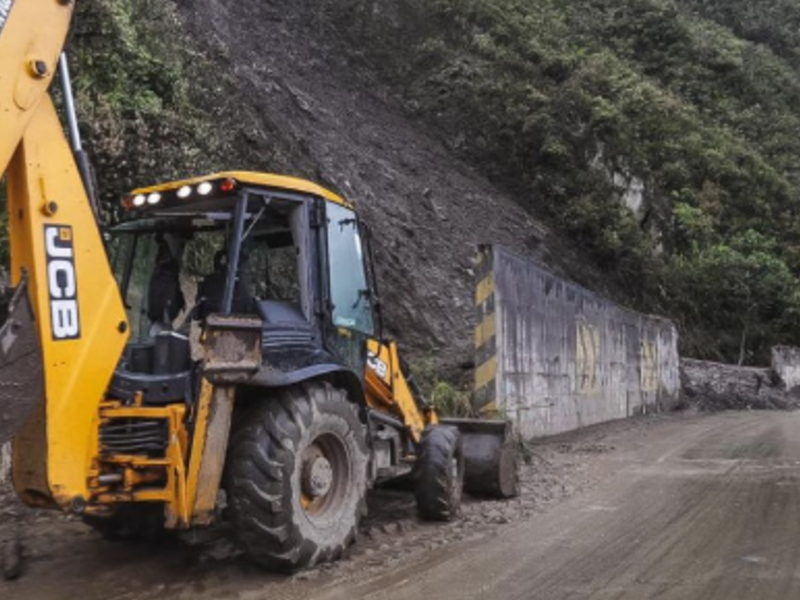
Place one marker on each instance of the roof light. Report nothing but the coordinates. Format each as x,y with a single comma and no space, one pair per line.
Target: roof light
184,192
227,185
154,198
204,189
139,200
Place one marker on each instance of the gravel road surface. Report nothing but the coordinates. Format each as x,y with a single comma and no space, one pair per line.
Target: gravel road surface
696,509
671,507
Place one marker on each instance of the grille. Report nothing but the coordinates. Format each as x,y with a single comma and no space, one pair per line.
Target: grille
279,339
144,437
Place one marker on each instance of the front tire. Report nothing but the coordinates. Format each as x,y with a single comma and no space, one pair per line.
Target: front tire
441,474
296,477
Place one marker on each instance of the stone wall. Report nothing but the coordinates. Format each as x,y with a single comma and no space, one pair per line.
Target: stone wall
553,356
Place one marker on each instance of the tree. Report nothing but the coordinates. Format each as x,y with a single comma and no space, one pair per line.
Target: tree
741,287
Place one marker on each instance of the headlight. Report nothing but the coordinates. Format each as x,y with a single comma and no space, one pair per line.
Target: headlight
184,192
154,198
204,189
139,200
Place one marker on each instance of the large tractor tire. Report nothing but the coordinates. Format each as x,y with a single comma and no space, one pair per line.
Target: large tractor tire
440,477
131,523
296,477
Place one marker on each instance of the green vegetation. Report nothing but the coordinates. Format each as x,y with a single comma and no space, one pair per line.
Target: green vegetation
147,108
566,103
451,402
141,95
449,399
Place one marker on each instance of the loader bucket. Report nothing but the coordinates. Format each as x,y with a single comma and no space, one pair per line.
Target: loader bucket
491,458
21,372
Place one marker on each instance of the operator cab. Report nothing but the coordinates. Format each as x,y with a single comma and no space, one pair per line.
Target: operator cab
257,246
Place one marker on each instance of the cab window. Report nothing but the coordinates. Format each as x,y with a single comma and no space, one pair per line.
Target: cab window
348,283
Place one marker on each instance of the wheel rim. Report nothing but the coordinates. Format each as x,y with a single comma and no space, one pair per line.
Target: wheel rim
325,478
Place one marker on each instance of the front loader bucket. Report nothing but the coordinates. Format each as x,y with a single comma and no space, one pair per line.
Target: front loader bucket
21,372
491,458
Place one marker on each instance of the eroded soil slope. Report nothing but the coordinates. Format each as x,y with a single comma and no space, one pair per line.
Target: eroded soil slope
334,122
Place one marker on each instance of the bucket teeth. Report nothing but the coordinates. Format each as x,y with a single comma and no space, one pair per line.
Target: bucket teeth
21,376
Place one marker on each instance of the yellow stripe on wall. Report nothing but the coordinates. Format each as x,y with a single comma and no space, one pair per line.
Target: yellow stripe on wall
485,373
486,330
484,290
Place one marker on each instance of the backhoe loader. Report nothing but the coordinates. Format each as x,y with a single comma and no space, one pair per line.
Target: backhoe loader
215,354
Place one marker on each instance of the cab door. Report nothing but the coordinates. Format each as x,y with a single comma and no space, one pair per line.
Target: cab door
350,298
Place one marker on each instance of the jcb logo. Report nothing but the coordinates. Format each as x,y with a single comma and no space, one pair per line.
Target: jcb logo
62,284
377,365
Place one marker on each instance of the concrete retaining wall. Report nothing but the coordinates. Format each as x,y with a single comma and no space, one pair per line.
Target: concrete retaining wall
786,365
553,356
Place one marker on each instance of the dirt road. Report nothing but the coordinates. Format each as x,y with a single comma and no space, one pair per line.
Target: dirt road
671,507
707,509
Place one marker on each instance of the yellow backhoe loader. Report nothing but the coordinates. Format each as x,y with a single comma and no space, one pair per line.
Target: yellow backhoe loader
218,352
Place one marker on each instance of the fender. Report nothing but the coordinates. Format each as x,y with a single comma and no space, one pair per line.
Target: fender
348,379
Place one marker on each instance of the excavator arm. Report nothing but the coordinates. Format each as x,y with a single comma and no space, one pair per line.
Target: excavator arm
66,326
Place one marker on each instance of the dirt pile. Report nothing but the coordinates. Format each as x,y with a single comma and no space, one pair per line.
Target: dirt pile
711,387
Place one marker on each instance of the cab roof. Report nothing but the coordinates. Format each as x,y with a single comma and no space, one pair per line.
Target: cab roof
268,180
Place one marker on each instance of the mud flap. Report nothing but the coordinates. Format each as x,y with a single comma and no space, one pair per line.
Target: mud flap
491,457
21,371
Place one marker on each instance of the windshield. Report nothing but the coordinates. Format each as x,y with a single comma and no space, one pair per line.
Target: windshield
161,274
173,271
352,308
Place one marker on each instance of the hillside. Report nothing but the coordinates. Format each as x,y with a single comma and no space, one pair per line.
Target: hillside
647,148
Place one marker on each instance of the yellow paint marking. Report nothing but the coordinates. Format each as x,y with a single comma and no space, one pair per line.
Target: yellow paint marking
490,410
484,290
587,356
649,370
485,373
486,330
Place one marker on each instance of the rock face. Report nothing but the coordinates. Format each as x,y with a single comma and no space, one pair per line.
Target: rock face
710,387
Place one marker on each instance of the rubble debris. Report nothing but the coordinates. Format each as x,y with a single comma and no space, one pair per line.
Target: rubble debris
712,387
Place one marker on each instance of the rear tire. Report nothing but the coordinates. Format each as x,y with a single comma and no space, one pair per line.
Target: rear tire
296,477
441,474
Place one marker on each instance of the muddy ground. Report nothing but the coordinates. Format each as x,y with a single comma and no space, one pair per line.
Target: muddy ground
64,557
691,509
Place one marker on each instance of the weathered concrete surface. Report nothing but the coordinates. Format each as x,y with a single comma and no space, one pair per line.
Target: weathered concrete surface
786,365
554,356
